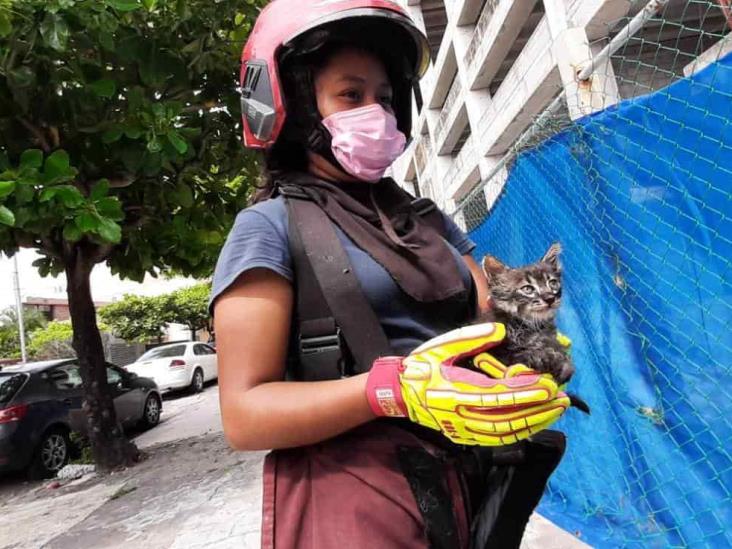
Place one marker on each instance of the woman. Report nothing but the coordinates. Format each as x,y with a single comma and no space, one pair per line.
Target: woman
327,89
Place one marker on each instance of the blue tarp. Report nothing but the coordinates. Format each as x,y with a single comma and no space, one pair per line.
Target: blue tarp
640,195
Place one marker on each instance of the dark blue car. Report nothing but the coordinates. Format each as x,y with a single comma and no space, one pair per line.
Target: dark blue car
41,403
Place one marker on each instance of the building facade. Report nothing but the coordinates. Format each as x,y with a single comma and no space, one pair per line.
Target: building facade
499,64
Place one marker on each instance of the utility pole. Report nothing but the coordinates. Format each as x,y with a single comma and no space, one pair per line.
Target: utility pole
19,307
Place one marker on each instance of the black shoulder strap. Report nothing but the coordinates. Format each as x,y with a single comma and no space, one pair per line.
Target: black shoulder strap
430,213
329,294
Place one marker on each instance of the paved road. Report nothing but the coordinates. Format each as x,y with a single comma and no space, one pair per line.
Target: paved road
184,416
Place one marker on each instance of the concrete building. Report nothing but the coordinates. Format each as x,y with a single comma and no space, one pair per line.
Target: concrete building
498,64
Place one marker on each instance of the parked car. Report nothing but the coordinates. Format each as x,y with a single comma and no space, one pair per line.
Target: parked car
178,365
41,403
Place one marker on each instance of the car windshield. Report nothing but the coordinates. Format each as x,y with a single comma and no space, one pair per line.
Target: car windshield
163,352
9,385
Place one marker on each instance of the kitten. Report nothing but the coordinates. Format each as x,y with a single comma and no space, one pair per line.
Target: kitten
526,301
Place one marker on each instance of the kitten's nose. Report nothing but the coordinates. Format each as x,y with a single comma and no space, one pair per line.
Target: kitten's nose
549,299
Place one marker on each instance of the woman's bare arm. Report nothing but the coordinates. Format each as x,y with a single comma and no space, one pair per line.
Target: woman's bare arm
481,283
259,411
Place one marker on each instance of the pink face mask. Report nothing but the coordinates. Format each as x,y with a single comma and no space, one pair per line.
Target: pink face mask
365,141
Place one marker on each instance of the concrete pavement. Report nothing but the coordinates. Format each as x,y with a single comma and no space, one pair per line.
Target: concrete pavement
192,491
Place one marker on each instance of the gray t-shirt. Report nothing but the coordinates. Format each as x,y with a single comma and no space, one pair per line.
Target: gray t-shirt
259,239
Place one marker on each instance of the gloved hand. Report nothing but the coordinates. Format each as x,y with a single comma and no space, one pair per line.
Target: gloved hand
500,406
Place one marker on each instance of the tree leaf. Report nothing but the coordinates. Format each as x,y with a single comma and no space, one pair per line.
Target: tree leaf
30,159
104,87
55,31
99,190
6,216
58,168
24,193
6,187
124,5
6,26
70,196
110,207
72,232
87,222
184,195
177,141
112,135
106,39
133,132
109,231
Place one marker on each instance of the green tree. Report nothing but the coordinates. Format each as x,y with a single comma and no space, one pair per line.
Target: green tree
189,306
119,143
33,320
53,341
136,318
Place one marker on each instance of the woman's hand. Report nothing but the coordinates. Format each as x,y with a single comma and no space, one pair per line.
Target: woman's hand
469,407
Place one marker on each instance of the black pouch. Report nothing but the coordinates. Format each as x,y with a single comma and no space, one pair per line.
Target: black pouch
507,485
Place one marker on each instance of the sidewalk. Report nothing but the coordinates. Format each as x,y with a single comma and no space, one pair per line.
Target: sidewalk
190,494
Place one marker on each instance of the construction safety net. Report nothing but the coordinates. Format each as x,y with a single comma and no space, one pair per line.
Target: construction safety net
640,196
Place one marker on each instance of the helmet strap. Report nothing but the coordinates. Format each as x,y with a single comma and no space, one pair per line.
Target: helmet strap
311,131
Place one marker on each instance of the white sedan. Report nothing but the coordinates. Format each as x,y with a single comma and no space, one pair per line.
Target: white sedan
178,366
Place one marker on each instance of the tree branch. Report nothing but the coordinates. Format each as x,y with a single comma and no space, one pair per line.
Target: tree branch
101,253
36,132
50,248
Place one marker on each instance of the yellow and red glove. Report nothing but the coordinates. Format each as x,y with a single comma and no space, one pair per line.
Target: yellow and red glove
497,406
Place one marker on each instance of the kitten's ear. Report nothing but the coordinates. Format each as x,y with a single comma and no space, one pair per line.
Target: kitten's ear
552,255
491,266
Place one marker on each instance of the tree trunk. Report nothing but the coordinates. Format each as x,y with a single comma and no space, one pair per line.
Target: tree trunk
110,447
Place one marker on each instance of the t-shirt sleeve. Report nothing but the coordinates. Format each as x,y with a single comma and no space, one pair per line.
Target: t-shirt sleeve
255,240
457,237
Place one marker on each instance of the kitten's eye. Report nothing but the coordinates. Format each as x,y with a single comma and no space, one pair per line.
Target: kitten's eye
528,289
554,284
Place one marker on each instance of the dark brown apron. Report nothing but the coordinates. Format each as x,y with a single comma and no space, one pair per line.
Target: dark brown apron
351,491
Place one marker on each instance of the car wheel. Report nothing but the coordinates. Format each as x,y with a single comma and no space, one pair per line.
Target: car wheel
197,381
51,455
151,412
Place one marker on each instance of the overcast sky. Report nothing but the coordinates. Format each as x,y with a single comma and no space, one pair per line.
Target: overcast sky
105,287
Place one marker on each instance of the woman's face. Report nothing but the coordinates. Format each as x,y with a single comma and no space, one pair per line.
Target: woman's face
351,79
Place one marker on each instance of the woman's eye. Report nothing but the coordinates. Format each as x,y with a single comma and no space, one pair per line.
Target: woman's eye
353,95
528,289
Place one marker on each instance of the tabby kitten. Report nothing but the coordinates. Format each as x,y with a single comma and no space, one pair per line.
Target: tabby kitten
526,301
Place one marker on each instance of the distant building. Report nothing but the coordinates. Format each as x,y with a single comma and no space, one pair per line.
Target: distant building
498,64
53,308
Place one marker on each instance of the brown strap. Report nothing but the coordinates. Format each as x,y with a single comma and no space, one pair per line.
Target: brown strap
338,283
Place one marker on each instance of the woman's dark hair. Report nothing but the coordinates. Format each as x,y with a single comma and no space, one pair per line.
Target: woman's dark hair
289,153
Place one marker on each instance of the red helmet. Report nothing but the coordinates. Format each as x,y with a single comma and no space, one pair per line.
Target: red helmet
284,24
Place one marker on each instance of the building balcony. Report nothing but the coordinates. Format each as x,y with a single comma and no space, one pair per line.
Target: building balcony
495,37
465,12
464,171
528,87
453,118
423,152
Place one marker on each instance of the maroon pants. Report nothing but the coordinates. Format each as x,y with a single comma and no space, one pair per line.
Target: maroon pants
351,491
